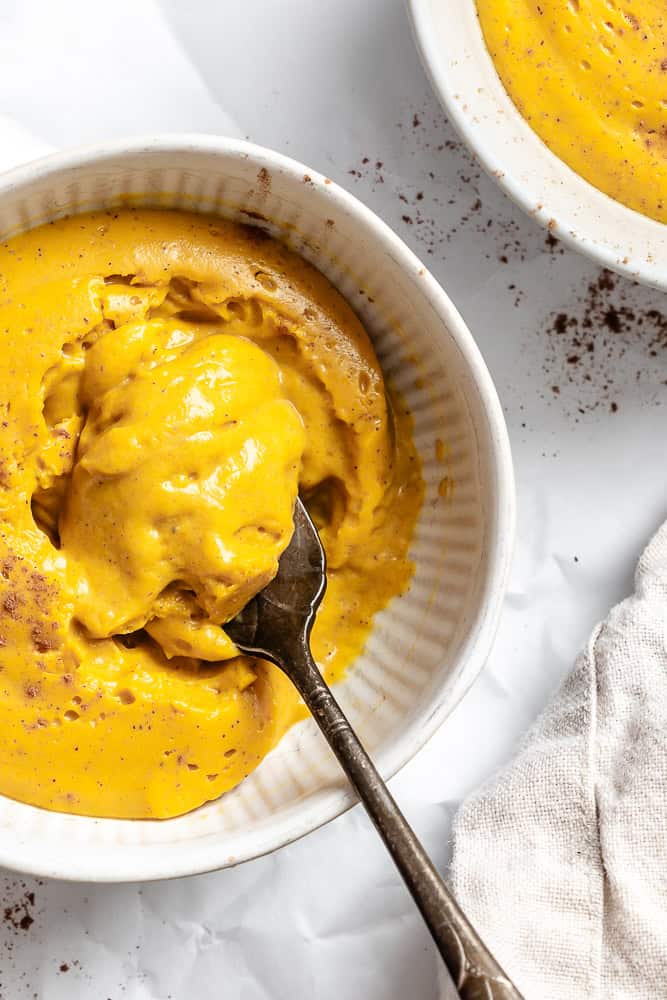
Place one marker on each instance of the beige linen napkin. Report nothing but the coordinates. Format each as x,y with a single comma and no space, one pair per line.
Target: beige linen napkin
561,861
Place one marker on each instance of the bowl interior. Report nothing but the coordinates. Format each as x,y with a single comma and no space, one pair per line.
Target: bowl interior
452,47
429,644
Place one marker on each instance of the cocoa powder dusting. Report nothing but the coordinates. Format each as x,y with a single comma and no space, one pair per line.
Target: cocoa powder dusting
609,335
41,590
8,564
10,604
18,915
601,349
264,179
44,637
446,201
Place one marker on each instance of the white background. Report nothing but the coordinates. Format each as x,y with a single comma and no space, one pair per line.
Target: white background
332,83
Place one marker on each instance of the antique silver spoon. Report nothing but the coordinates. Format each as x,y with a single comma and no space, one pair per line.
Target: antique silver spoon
276,626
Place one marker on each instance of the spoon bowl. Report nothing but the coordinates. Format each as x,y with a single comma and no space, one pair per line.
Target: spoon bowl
283,613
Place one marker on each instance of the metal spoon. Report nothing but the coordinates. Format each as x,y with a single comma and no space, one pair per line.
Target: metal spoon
276,626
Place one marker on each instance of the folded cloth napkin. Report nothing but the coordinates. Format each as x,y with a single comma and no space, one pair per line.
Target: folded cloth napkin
561,860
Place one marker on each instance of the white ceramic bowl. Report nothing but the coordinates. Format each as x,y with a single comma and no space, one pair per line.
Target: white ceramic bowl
428,646
451,44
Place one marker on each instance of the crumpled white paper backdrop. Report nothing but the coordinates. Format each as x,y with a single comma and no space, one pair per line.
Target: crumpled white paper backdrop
338,85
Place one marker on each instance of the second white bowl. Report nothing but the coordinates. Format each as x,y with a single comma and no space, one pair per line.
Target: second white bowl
452,47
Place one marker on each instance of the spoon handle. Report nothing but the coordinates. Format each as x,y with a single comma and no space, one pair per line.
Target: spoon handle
475,972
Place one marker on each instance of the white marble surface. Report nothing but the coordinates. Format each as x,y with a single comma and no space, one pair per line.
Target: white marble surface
334,83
